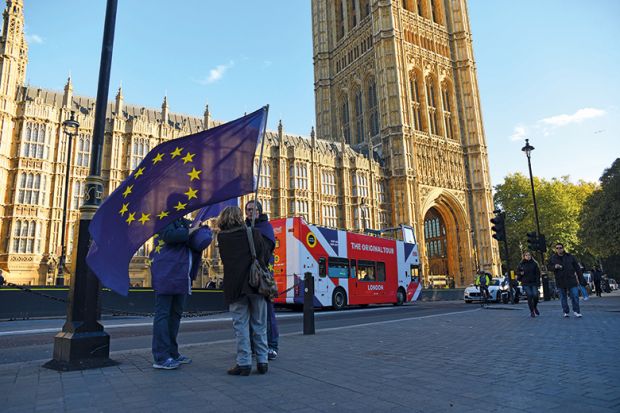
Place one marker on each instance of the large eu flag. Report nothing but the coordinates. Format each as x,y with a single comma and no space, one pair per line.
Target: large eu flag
175,178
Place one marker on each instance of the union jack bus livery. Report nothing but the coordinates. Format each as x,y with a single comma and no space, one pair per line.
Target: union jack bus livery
348,268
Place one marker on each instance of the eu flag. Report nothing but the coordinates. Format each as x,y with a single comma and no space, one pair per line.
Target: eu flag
175,178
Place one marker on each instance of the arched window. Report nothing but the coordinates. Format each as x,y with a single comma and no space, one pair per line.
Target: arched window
83,151
24,237
373,110
140,149
421,9
33,141
344,119
446,97
415,102
359,117
340,19
430,102
30,190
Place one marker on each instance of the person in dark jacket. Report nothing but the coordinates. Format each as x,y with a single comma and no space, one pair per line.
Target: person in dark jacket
566,270
528,273
597,275
246,306
261,223
174,265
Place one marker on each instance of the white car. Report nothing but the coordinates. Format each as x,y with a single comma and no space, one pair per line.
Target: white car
472,292
613,284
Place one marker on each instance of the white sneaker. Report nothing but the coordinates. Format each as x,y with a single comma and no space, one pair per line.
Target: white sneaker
586,298
566,315
578,315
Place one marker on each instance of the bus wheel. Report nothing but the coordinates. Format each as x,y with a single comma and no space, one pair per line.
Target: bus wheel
400,297
339,299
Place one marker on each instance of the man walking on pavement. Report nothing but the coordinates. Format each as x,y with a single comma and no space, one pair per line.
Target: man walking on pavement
567,271
597,275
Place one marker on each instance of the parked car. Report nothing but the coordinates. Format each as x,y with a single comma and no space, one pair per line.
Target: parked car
613,285
472,292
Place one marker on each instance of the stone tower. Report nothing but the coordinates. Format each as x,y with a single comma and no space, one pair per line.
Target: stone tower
398,78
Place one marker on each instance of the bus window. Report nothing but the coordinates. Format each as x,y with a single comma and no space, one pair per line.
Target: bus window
353,269
366,271
415,273
322,267
338,267
380,271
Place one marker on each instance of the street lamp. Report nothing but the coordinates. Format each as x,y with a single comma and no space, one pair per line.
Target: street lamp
70,127
528,152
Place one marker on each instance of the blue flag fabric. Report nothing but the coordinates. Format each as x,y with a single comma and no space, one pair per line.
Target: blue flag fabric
176,177
214,210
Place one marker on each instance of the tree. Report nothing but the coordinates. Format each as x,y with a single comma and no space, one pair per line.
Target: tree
600,217
559,205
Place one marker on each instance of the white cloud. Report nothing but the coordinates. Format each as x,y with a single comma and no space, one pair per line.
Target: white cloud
577,117
34,39
518,133
216,74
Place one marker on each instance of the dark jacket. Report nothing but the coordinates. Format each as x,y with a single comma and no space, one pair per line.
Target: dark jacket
237,259
170,270
564,277
528,272
597,275
263,225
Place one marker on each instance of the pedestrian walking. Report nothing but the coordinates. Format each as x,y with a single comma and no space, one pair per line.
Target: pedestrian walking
175,263
582,283
597,275
566,271
254,212
529,275
247,307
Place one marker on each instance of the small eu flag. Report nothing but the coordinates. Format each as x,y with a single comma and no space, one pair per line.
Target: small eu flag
176,177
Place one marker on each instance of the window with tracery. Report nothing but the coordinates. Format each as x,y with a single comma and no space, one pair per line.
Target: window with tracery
34,144
25,237
31,189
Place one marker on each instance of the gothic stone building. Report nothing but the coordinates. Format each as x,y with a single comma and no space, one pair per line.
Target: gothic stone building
397,113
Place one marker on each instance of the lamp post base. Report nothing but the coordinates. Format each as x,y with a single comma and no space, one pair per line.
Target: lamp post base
81,351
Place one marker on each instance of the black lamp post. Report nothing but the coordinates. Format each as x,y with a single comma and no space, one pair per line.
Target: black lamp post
83,343
528,152
70,127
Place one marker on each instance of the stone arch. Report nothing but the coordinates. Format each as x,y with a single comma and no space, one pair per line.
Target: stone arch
459,254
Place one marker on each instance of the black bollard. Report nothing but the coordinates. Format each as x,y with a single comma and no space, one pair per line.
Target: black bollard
308,303
545,286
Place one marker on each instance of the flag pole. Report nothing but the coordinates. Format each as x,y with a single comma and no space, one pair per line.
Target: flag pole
260,163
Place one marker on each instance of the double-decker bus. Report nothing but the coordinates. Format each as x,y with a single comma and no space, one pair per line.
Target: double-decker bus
348,268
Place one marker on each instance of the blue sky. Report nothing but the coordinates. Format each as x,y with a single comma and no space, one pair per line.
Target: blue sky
547,70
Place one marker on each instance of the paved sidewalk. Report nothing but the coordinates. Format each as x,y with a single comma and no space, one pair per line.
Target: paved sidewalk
480,360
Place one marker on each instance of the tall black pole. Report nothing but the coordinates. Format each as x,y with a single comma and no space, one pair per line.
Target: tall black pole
82,343
60,279
545,281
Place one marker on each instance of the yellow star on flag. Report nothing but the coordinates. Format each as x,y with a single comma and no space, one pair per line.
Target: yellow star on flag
194,174
189,157
162,214
180,206
123,209
131,217
158,158
127,191
161,242
176,152
191,193
157,249
138,173
144,218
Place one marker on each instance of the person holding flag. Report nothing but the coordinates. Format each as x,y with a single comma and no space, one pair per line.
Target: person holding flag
174,265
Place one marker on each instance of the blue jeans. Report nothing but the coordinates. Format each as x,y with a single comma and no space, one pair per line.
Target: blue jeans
168,312
250,311
583,290
532,295
273,334
574,297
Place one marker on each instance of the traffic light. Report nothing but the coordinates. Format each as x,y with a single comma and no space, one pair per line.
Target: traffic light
499,227
532,241
542,243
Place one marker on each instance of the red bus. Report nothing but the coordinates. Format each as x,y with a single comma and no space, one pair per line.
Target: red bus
348,268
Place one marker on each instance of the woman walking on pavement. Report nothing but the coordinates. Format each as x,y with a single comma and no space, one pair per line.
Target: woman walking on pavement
529,275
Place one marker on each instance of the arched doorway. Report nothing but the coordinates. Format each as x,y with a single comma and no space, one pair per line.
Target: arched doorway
436,243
